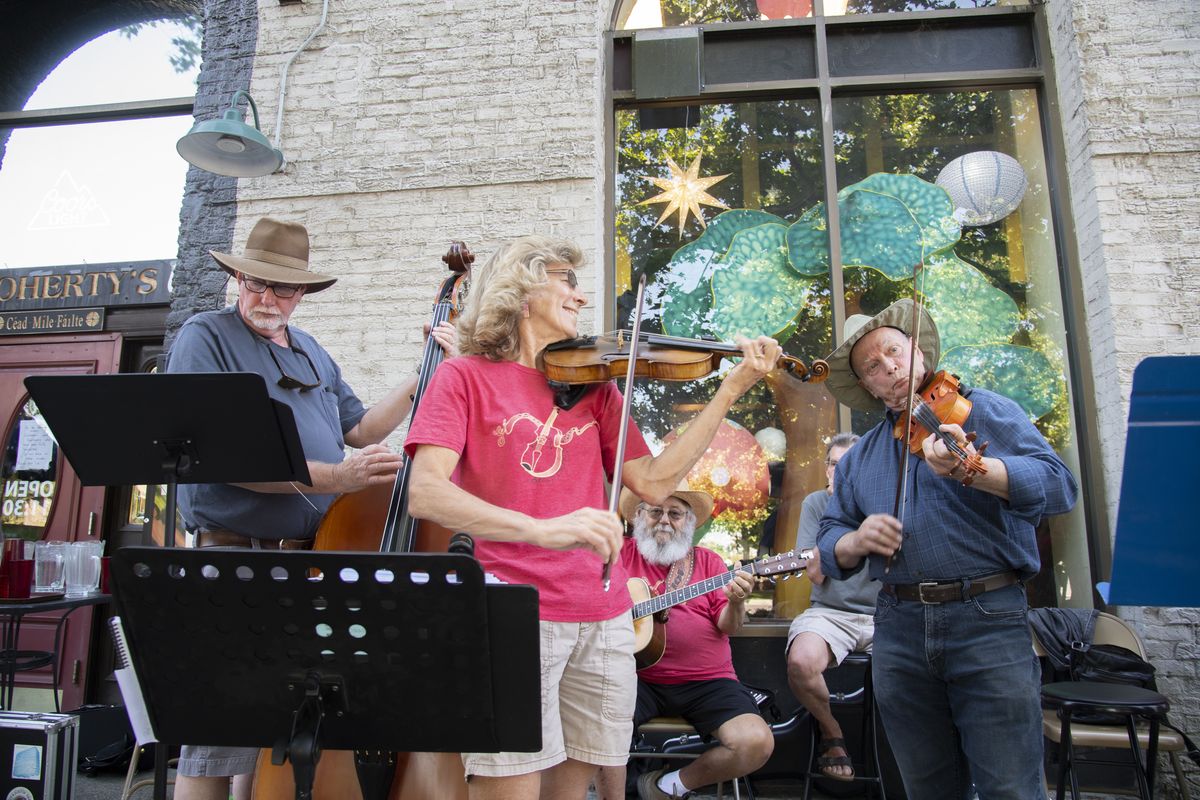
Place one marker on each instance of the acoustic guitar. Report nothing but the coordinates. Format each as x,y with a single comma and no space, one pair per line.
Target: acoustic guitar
649,622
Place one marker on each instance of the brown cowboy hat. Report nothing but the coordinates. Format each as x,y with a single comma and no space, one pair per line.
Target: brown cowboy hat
276,252
701,503
842,381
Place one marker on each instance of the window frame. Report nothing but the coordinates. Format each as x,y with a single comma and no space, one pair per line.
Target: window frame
1023,63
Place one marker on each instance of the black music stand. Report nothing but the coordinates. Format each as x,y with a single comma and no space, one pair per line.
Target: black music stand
169,429
307,650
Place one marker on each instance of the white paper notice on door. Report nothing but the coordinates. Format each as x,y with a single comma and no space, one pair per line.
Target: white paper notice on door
35,448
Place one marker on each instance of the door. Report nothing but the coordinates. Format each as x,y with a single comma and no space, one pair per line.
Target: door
42,497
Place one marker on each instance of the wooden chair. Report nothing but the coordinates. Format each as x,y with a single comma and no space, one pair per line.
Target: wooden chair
1149,736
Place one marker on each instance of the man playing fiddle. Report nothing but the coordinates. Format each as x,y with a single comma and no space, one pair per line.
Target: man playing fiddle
494,456
955,676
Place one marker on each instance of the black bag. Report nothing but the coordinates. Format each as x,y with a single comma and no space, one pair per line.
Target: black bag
1110,663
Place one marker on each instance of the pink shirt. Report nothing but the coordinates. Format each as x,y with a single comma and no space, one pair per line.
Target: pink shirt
519,451
696,649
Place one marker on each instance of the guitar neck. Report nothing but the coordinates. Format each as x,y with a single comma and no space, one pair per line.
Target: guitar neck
674,598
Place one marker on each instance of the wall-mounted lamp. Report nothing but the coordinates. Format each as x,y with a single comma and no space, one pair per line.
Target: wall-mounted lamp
984,186
228,146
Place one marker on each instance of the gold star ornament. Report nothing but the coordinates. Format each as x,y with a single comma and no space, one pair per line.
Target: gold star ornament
684,191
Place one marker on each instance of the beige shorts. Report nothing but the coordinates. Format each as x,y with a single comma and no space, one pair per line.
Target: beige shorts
844,631
589,687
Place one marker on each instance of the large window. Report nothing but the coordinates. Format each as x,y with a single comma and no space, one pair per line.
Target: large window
761,172
101,191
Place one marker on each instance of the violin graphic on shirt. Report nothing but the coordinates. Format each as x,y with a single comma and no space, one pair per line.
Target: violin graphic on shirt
649,617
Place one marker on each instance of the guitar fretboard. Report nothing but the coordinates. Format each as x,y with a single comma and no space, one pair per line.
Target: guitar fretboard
674,598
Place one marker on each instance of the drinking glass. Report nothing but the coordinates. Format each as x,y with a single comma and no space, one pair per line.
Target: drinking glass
48,562
82,568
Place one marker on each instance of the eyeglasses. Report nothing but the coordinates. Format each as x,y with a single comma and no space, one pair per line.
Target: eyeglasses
655,513
284,291
287,381
568,276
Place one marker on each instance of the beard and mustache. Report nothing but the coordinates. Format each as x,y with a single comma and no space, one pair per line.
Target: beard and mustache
266,321
670,551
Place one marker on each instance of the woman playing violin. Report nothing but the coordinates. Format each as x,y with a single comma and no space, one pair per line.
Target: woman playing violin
954,669
495,457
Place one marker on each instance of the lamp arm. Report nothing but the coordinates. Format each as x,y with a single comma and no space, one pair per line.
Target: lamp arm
284,76
250,101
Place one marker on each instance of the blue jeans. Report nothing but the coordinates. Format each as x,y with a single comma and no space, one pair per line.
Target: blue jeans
958,689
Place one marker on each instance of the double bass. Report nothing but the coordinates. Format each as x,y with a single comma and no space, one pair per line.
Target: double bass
377,519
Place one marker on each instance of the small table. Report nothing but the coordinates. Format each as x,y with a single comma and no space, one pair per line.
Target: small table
12,660
1130,702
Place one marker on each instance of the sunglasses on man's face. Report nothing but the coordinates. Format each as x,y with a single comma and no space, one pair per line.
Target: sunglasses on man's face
568,276
284,291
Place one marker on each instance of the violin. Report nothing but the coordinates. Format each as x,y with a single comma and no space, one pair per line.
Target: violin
938,402
597,359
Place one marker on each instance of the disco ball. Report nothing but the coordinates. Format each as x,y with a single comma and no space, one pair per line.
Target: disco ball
985,186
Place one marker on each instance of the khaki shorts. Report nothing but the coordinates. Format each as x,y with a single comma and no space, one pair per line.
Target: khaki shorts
589,687
844,631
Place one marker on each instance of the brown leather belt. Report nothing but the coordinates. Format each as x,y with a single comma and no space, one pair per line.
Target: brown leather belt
209,538
933,592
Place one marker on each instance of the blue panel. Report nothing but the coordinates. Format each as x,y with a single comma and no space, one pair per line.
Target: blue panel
1156,560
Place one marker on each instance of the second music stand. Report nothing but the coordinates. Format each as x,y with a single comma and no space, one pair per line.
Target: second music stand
303,651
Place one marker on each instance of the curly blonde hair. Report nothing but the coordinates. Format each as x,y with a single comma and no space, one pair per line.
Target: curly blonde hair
500,288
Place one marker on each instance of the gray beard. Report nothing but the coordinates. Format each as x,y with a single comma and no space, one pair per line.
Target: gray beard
663,554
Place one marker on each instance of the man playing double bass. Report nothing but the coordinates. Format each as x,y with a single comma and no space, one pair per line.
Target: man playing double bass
955,675
253,335
494,456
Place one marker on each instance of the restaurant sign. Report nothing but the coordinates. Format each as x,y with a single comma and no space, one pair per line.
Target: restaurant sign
73,320
85,286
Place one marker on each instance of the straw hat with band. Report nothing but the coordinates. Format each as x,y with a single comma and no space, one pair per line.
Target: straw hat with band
276,252
842,381
701,503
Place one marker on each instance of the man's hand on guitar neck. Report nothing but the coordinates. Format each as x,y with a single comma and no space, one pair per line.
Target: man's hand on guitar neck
737,590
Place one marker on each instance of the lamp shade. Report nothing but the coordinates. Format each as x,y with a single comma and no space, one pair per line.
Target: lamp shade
228,146
984,186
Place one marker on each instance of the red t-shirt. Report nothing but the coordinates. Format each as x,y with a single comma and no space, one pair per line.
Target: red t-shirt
696,649
519,451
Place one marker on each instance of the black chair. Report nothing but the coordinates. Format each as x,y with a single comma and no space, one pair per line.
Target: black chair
867,768
1142,708
1132,703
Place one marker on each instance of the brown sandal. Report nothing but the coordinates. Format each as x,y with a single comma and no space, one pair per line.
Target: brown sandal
825,763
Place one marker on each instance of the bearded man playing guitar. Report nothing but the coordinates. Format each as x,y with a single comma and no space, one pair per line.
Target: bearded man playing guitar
694,678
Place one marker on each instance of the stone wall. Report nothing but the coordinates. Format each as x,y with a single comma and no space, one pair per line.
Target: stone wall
1130,98
408,125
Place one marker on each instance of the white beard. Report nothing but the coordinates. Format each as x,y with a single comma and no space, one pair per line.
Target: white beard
668,552
266,322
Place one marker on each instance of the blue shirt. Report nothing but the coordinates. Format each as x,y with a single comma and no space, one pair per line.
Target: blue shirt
951,531
219,341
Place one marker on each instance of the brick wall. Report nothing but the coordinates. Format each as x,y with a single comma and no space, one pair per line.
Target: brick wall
1128,87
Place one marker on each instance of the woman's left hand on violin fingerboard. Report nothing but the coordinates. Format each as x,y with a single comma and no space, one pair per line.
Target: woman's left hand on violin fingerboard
759,356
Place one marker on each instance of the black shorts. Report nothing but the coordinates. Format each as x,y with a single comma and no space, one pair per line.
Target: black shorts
706,705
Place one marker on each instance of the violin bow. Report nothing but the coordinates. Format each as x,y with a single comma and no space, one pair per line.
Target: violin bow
902,477
626,402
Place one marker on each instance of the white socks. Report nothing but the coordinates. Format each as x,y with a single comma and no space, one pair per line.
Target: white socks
672,785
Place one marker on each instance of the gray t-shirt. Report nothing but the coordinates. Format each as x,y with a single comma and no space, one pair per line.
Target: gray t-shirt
219,341
856,593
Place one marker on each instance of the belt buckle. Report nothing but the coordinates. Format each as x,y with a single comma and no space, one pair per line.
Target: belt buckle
921,587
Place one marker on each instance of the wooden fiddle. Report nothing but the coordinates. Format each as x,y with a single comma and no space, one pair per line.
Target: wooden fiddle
938,402
596,359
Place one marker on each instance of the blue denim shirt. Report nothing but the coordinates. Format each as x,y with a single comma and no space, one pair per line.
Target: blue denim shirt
951,531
